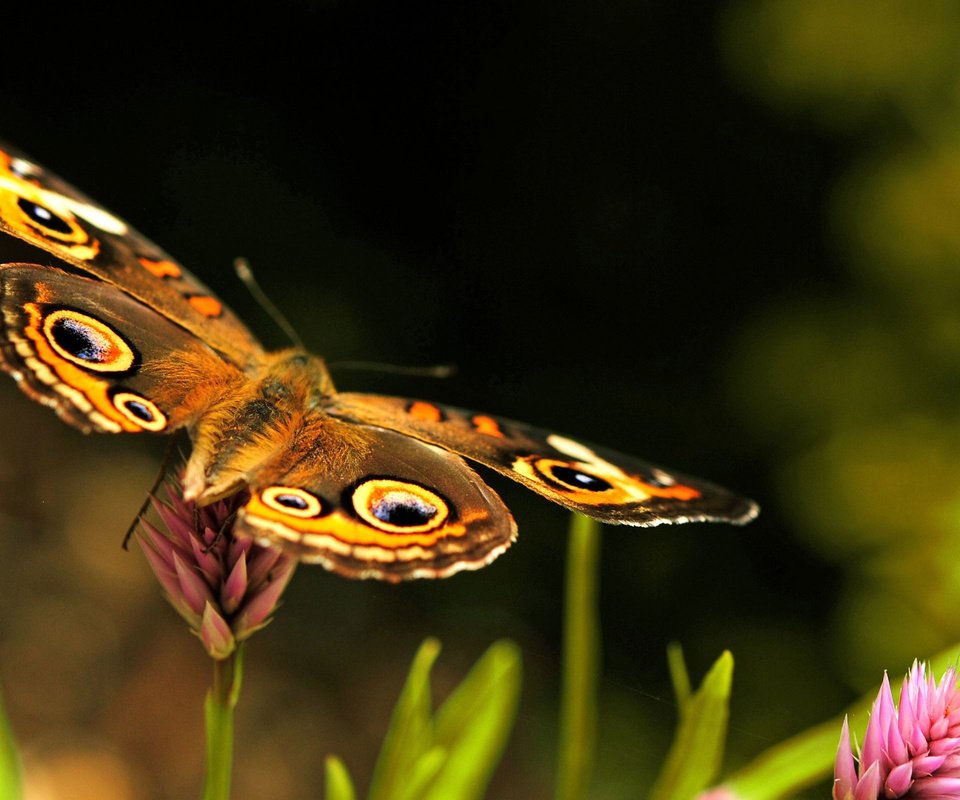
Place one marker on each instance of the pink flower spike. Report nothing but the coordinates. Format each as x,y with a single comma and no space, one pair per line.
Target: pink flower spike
869,786
937,789
164,570
255,613
844,770
873,740
207,562
260,562
193,589
239,546
224,584
718,793
234,588
215,634
899,780
174,522
927,765
945,747
152,537
910,751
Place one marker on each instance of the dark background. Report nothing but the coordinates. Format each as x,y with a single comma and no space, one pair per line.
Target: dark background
575,204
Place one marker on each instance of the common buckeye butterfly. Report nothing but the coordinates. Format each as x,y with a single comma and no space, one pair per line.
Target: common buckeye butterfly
125,340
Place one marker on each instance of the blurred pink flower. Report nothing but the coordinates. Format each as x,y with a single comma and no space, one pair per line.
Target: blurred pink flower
718,793
912,752
224,586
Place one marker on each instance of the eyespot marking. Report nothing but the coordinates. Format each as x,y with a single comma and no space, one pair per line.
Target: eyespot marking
399,506
206,305
46,220
87,342
572,477
292,501
426,412
139,410
161,269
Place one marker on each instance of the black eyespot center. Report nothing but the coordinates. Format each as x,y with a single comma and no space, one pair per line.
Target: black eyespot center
80,340
403,509
395,505
579,479
291,501
140,410
294,502
44,217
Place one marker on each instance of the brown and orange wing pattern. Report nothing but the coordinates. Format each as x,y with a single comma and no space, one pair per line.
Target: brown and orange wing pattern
45,211
389,507
595,481
100,358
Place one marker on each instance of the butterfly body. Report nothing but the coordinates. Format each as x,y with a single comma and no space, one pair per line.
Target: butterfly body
122,339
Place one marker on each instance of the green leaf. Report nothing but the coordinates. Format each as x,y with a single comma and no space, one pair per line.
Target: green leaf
10,784
450,755
791,765
678,674
423,774
474,723
338,785
410,734
697,750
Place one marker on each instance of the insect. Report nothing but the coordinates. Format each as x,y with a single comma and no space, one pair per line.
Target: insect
123,339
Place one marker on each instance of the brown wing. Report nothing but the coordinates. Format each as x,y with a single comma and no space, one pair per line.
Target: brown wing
43,210
388,507
101,359
595,481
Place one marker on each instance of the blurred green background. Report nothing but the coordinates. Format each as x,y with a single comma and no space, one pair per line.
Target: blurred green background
721,236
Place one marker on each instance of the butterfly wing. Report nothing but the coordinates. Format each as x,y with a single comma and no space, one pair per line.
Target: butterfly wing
595,481
43,210
103,360
371,503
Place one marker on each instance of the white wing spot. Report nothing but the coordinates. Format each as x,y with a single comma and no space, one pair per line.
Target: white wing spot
571,448
95,215
23,167
663,478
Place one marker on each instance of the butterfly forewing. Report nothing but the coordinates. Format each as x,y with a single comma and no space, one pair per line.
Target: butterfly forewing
47,212
593,480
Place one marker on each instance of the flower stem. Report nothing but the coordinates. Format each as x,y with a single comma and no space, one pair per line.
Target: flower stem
581,646
218,712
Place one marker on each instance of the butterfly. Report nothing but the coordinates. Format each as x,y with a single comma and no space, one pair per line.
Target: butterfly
122,339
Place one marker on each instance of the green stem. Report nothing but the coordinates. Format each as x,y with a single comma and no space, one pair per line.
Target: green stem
11,787
218,712
581,654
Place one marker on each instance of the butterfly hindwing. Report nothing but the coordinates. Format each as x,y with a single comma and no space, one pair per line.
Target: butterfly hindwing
390,507
100,358
595,481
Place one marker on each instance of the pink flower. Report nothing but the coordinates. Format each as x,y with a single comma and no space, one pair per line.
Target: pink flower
224,586
912,752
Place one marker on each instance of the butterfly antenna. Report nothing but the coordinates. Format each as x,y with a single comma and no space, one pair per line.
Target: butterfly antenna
434,371
164,468
245,273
